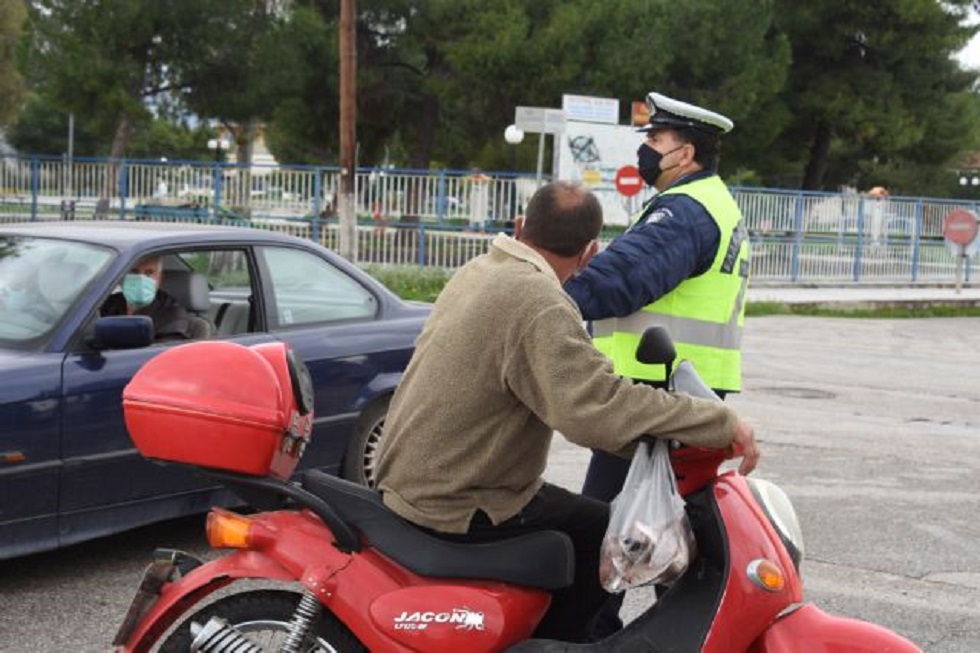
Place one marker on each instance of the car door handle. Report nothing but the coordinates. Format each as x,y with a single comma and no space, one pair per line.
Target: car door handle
12,457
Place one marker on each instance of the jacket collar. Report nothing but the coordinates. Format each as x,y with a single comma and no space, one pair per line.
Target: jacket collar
694,176
516,249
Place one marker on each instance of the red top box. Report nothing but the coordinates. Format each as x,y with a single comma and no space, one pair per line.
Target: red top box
219,405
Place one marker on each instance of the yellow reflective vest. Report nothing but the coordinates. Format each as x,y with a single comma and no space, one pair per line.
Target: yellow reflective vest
705,314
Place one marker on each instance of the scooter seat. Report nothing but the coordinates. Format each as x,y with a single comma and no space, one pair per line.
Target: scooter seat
544,560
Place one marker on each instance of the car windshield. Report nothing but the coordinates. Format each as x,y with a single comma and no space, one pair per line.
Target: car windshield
40,278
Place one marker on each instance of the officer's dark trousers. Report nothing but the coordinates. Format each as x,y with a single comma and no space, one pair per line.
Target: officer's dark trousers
574,609
603,481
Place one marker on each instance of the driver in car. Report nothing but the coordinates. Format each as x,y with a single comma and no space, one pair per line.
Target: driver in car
141,295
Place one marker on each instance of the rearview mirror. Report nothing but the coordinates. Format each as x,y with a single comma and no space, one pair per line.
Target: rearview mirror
656,347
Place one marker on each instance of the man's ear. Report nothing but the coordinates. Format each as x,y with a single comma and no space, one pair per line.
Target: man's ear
590,250
689,154
518,226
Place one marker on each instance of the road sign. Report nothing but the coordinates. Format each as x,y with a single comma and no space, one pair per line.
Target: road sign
540,120
628,181
586,108
960,227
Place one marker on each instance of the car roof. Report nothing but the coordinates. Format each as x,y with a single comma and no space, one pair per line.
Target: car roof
123,234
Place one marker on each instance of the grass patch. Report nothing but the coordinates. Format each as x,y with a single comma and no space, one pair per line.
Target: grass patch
761,309
411,283
424,285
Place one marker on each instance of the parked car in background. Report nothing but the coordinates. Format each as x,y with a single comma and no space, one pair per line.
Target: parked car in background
68,470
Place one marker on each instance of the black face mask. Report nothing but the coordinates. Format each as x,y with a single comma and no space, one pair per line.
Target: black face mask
648,162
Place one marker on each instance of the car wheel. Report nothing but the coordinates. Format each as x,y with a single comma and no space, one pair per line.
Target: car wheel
361,460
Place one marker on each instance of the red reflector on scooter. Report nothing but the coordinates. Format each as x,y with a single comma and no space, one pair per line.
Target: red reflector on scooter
767,575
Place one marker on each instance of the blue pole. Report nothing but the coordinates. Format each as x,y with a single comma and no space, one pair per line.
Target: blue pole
441,197
860,240
317,190
34,187
421,244
216,182
123,189
794,274
916,239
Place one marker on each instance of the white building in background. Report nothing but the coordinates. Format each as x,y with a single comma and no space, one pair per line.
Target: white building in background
593,148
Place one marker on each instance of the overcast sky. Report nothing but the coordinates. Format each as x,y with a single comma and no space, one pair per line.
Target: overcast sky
970,55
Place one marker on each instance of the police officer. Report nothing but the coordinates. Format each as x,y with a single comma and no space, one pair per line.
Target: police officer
683,263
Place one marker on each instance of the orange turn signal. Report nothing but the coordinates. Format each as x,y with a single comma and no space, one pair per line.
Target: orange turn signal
228,530
766,575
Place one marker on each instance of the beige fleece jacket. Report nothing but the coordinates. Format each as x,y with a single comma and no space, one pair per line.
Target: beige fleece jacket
502,362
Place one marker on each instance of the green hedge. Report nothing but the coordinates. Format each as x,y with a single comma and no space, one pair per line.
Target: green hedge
425,284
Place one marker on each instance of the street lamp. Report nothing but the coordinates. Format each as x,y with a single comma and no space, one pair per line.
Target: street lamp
513,135
216,144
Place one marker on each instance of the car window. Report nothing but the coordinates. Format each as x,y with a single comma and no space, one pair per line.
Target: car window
229,276
40,279
206,293
308,289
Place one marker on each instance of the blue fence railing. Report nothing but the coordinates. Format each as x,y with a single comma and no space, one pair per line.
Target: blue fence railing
444,217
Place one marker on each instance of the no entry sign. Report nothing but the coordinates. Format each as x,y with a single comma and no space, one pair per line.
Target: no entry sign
628,181
960,227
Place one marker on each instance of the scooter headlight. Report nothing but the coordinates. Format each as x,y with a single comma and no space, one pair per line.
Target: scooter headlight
779,509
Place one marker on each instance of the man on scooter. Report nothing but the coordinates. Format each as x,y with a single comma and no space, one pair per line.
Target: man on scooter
501,364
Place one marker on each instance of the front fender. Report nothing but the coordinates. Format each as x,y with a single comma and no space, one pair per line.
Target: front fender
177,598
811,628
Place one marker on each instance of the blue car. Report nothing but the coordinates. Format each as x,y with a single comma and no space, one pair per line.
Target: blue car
68,470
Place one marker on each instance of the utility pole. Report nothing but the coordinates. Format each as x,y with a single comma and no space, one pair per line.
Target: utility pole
348,129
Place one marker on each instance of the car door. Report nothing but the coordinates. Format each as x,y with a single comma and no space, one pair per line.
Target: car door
30,460
334,323
106,486
43,281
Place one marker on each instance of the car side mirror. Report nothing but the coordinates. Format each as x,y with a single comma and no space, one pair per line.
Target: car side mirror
656,347
122,332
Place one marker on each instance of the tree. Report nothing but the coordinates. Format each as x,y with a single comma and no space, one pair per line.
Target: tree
430,75
12,16
873,84
248,66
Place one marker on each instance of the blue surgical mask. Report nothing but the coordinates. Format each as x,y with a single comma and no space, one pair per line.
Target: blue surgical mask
139,289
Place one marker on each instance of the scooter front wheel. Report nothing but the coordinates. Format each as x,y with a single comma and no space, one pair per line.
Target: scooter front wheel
263,617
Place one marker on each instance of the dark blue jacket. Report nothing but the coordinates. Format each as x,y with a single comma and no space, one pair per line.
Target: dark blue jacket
675,238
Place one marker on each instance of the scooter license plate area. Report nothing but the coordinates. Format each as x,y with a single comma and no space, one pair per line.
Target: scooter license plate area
446,617
166,566
157,574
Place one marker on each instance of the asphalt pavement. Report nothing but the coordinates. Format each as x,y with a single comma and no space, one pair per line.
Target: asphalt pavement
872,426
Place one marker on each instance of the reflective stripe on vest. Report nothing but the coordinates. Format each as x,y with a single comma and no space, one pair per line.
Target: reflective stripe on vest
703,314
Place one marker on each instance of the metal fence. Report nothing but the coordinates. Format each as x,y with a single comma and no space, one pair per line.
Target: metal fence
445,217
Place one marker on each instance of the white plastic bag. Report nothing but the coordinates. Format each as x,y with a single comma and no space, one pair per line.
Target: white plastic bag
649,539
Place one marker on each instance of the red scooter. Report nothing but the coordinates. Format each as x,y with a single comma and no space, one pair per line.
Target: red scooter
340,572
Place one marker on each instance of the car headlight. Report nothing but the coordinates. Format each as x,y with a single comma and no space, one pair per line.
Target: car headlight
779,509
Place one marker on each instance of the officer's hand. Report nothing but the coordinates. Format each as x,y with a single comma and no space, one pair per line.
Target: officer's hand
744,445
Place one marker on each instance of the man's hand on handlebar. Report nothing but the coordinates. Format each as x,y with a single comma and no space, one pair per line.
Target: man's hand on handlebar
744,445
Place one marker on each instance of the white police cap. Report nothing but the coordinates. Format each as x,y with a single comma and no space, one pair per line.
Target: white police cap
668,113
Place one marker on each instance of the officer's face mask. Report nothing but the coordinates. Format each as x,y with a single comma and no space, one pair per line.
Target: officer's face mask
648,162
139,289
